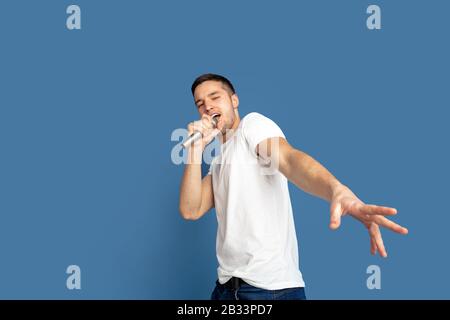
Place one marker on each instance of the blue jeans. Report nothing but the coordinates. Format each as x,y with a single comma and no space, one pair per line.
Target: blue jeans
248,292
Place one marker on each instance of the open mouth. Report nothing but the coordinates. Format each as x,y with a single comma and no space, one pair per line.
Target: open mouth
216,117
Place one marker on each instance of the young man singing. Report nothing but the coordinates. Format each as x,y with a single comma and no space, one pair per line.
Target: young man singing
256,239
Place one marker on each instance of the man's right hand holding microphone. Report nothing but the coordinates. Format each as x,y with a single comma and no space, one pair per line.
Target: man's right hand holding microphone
201,133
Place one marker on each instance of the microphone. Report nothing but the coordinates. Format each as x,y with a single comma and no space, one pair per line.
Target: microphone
197,134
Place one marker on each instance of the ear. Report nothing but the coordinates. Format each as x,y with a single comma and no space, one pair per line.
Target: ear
235,101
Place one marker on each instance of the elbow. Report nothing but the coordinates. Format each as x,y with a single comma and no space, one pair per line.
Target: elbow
190,217
188,214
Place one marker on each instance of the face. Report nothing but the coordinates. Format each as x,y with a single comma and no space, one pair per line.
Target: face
211,97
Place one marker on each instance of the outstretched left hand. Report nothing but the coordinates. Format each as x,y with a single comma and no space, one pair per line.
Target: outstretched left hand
344,201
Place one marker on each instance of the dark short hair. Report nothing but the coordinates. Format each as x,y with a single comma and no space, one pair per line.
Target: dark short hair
215,77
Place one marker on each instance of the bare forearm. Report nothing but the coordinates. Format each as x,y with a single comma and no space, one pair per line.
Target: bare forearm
310,176
191,190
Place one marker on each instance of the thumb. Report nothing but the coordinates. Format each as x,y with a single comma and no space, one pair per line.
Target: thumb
336,213
213,133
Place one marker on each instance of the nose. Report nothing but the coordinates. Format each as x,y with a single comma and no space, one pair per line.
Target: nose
208,107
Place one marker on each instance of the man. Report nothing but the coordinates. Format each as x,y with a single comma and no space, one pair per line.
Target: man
256,240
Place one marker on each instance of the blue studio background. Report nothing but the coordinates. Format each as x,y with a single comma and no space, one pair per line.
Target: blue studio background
86,118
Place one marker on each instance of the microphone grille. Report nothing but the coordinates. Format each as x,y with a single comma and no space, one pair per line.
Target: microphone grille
214,119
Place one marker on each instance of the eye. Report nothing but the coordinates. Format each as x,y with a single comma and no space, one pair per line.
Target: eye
215,98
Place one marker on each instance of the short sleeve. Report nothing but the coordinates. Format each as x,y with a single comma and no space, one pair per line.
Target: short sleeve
257,128
209,171
211,166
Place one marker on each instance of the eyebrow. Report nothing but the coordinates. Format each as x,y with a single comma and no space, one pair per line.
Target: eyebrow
209,95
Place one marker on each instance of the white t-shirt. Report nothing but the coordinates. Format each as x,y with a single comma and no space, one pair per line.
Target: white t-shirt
256,238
